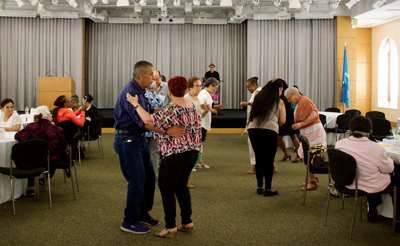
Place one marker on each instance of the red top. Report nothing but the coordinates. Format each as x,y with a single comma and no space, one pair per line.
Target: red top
65,114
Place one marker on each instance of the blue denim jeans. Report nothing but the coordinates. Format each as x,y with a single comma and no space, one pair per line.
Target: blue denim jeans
137,168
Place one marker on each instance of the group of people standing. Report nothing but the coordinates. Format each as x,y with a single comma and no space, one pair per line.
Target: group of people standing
179,129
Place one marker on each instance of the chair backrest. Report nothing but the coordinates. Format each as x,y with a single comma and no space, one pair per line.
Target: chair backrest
74,146
342,167
375,114
353,112
95,126
306,148
322,118
30,154
343,121
332,110
70,129
381,127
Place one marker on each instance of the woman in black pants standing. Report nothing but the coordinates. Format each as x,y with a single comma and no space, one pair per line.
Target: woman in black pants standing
178,154
267,115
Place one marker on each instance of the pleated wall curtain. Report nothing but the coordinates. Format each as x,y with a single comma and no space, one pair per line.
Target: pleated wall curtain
32,47
113,49
302,52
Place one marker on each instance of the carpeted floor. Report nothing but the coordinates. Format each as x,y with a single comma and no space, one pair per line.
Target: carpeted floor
226,209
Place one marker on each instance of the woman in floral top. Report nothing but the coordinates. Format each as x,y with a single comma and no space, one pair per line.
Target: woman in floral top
178,154
156,102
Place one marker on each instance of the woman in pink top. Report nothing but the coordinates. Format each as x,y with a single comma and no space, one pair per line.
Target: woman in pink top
374,167
62,113
178,154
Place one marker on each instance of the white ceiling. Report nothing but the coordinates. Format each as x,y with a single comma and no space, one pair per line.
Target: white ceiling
203,14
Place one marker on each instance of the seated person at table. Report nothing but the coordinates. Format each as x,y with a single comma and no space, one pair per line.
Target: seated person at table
9,120
91,110
74,100
62,113
42,128
374,167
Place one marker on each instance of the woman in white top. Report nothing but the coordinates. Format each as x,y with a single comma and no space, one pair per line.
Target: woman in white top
206,100
9,120
194,85
266,116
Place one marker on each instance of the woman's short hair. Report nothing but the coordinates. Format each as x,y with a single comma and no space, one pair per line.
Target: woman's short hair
360,125
88,98
42,112
178,85
291,90
6,101
191,81
74,98
212,81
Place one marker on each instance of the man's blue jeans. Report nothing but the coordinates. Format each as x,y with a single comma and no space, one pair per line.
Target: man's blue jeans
137,168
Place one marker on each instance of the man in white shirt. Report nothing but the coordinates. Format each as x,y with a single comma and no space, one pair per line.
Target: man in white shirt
253,88
161,88
206,100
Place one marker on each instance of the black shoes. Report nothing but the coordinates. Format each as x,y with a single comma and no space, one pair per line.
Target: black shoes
270,192
259,191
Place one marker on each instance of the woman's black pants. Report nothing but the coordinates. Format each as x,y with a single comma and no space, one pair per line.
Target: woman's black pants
264,143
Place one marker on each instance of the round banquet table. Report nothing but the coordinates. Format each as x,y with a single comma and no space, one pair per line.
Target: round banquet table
20,184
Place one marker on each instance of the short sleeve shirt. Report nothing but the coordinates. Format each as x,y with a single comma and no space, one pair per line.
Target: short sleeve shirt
205,98
12,121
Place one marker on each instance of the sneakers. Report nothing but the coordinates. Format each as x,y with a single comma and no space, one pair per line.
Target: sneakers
205,166
137,228
148,220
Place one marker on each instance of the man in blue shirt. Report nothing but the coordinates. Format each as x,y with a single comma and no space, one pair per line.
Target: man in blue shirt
133,150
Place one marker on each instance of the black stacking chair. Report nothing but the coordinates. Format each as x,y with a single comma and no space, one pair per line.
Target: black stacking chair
70,129
94,133
381,128
310,168
67,164
31,159
322,118
332,110
375,114
353,112
343,169
342,125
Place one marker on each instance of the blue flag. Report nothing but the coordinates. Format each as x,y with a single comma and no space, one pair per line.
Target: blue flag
345,94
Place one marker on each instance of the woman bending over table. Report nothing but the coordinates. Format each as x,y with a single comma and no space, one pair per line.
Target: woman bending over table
178,154
9,120
307,121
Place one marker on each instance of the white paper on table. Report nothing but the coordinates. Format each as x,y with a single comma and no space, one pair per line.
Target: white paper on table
396,145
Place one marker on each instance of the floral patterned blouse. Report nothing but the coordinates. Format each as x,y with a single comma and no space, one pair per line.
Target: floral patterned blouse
156,102
178,115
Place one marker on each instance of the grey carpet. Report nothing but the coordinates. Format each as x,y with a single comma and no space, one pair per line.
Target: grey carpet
226,209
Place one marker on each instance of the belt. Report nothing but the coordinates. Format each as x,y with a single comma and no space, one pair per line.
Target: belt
133,133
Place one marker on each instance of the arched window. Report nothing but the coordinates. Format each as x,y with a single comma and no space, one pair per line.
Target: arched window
388,74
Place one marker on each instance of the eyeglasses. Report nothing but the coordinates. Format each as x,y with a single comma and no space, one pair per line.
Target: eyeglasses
197,85
289,98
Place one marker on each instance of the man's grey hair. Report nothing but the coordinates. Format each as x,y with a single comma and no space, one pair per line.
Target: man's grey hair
291,90
141,67
212,81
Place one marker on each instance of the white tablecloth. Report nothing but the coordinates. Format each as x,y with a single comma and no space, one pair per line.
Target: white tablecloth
331,123
386,208
26,119
20,184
